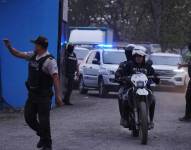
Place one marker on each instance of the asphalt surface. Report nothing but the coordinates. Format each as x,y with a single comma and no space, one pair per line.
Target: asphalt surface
93,124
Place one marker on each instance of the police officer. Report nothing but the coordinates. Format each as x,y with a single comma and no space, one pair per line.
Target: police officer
70,68
137,64
42,74
187,116
123,87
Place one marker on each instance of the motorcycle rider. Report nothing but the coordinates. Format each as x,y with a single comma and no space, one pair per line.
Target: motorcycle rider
128,53
137,65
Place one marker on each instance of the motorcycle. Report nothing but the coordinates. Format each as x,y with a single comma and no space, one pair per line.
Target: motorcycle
139,105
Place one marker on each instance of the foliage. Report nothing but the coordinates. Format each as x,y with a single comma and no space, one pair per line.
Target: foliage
158,21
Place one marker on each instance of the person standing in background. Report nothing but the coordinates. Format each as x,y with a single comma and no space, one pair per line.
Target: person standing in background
70,68
187,115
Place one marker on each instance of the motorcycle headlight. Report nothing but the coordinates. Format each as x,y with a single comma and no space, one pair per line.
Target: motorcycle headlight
140,84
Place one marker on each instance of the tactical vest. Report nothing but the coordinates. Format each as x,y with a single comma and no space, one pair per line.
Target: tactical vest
71,63
39,83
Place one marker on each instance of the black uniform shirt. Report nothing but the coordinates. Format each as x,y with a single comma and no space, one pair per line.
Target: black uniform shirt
71,64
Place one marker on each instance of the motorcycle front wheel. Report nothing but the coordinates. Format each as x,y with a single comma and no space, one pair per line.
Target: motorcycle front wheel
143,123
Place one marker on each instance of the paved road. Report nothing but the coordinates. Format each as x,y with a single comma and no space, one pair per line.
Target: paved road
93,124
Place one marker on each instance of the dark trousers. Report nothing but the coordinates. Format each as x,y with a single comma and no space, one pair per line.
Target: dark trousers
188,100
37,116
68,89
120,102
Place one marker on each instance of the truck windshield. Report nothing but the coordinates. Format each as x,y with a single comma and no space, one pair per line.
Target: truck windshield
113,57
166,60
81,53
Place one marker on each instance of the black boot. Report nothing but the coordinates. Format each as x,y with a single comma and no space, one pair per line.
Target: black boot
124,123
151,125
40,144
185,119
46,148
68,103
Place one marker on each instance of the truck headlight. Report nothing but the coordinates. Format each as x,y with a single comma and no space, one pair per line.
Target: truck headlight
179,79
179,70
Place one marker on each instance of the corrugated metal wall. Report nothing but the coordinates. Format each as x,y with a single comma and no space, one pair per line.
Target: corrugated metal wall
22,21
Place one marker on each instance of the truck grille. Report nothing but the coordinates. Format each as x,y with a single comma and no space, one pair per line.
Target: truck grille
165,73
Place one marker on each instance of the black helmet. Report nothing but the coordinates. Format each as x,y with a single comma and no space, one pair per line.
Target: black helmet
70,48
128,51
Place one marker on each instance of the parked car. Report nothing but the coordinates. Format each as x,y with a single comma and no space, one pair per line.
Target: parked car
166,66
98,70
151,48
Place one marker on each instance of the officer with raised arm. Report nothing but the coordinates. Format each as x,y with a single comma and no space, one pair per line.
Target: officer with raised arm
42,75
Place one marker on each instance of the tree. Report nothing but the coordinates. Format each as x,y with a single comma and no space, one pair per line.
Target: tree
158,21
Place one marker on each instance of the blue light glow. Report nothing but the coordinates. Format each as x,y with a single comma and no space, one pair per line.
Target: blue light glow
105,46
62,43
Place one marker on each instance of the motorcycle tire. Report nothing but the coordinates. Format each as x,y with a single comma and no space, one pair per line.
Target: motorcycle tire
143,123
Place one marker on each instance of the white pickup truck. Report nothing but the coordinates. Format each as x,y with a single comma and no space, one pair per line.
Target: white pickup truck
166,66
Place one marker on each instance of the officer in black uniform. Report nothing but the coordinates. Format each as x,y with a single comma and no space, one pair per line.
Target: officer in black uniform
42,74
119,72
187,116
137,64
70,68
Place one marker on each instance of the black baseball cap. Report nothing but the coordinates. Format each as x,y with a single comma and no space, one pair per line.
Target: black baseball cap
42,41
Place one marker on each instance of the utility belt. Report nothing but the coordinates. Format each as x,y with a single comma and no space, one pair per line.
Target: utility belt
38,91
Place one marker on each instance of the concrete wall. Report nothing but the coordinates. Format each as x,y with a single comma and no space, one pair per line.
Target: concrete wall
21,21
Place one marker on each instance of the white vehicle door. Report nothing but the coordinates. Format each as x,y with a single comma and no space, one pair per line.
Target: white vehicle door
91,69
87,69
94,69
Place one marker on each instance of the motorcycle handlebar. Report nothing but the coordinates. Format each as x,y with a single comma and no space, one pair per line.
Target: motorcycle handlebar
129,77
150,77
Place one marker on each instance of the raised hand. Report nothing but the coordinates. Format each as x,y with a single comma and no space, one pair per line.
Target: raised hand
7,43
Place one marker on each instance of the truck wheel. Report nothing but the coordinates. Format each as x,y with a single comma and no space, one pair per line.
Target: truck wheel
82,89
102,90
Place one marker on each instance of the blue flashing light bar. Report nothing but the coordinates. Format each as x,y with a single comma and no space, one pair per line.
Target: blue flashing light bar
105,46
62,43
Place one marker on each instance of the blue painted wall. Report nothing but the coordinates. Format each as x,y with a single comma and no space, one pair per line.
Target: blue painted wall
21,21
